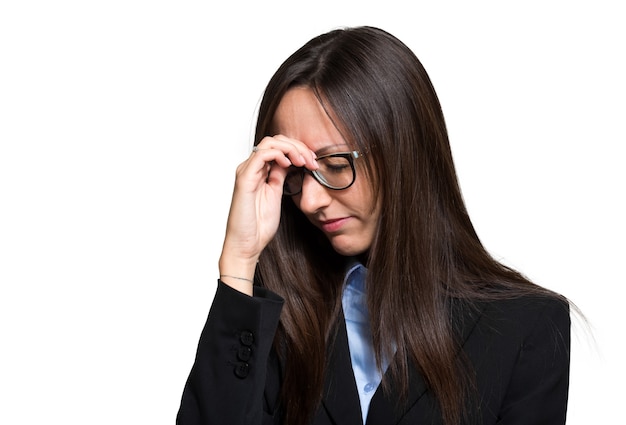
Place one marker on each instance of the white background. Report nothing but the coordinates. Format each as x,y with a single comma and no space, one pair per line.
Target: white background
122,121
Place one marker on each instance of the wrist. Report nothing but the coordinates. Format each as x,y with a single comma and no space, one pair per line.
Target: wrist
240,284
237,273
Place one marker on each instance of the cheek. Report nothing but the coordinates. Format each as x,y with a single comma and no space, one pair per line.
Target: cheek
363,196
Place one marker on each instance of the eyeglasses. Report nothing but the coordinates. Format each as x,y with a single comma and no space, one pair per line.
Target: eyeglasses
336,171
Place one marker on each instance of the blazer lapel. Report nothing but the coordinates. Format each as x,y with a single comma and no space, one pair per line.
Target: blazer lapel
385,408
341,399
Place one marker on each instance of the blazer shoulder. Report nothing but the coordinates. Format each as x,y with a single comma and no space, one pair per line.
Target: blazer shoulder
515,315
519,350
526,312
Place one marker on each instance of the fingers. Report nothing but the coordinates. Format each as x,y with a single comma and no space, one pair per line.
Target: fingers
285,151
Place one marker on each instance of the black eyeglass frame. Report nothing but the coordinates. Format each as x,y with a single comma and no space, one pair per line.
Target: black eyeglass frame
350,156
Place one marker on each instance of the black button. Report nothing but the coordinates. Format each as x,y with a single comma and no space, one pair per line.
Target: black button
242,369
244,353
246,338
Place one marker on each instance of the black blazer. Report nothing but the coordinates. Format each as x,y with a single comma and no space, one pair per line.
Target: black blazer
519,350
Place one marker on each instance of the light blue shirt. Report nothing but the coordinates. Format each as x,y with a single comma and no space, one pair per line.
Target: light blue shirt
354,302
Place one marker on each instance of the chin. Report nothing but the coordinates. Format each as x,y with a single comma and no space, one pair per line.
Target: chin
348,250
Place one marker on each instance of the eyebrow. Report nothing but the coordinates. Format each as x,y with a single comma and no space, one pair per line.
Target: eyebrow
331,149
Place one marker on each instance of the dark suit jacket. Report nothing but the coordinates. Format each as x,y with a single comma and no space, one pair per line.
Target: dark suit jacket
519,350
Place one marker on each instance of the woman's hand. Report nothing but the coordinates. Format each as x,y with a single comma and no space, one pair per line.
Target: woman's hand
256,204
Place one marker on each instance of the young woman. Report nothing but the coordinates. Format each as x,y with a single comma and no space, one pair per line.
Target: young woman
353,288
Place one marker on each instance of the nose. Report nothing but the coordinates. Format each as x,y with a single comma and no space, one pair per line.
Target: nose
313,196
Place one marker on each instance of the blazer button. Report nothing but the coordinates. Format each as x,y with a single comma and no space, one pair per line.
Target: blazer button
244,353
246,338
242,370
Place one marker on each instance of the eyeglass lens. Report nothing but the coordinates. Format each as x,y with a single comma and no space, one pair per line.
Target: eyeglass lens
335,172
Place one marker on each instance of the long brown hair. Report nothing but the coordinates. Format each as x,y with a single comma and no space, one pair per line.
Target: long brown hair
426,251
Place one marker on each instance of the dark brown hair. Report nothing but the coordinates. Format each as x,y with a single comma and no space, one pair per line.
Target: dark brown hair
426,251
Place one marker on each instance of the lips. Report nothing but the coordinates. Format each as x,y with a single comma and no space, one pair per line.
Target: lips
334,225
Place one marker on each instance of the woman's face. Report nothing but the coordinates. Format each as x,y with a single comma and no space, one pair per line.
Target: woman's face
348,217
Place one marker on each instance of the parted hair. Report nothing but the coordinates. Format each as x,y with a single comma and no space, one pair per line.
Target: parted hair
425,253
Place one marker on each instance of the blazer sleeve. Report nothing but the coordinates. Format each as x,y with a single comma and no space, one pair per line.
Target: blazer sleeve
227,379
537,392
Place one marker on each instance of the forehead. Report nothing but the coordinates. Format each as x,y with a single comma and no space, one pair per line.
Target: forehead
301,116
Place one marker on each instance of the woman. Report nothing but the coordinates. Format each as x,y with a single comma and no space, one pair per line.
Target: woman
353,287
